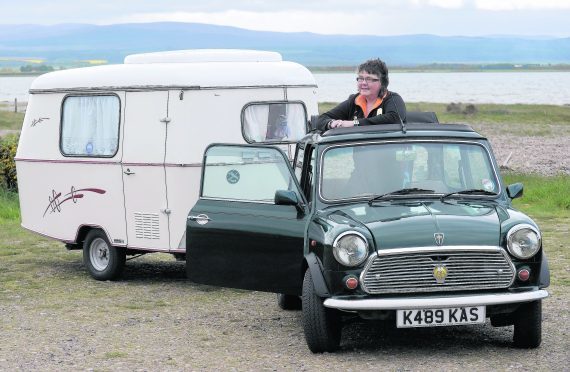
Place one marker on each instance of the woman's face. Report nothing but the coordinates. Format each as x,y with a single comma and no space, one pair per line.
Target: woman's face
368,84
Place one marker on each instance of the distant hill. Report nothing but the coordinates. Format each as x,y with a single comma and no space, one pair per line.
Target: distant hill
66,43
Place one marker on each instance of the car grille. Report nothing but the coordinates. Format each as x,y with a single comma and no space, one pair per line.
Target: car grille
412,270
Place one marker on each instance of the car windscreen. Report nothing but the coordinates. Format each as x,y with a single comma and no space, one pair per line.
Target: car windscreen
372,169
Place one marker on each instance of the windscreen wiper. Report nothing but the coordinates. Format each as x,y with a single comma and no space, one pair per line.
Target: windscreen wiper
407,191
469,192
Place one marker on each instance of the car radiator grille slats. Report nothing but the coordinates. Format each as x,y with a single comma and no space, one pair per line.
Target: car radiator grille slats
405,272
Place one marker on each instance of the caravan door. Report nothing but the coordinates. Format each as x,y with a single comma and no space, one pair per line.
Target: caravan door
146,208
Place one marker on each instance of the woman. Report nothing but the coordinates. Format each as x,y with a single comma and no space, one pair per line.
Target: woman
373,104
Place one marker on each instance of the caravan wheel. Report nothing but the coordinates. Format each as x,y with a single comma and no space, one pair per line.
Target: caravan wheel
103,261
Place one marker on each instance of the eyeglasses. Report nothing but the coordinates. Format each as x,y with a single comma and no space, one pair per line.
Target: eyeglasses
368,79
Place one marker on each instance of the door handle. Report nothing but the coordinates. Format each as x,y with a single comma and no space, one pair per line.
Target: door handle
128,172
201,219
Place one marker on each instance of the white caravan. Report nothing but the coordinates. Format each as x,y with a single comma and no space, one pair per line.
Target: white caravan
109,158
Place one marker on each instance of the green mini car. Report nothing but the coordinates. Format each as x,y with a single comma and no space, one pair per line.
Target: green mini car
407,224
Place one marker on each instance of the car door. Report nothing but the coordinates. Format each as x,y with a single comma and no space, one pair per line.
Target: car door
237,236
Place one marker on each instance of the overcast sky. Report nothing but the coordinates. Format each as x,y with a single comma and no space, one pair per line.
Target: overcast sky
365,17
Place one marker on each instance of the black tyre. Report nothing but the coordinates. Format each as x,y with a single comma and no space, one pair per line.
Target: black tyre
528,325
289,302
322,325
103,261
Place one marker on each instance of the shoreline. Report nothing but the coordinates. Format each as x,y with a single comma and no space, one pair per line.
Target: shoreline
435,68
9,105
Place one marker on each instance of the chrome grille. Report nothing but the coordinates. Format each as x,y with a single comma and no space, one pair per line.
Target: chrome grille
412,270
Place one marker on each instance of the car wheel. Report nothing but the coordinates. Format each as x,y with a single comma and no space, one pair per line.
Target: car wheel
528,325
288,302
103,261
322,325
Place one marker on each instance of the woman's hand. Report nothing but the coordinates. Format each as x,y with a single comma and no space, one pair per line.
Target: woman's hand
342,123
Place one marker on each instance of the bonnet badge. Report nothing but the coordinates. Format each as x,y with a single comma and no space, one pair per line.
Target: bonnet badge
440,273
438,238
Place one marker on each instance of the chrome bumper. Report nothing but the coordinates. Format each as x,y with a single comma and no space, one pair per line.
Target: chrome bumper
434,302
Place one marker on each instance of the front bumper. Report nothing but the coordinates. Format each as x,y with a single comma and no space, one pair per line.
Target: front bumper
404,303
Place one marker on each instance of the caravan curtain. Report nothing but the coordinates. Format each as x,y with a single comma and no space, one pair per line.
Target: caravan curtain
90,125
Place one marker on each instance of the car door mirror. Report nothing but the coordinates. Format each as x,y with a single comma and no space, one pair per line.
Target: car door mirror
515,190
287,197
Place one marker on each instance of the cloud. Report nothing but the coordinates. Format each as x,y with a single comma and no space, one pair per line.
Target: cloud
506,5
356,17
445,4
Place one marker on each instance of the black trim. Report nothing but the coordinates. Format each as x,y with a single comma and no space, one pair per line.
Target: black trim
544,276
315,265
152,88
382,128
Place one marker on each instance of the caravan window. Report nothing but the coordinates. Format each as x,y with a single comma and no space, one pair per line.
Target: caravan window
90,125
274,122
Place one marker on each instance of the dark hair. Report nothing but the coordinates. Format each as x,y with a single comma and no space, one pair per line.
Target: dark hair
379,68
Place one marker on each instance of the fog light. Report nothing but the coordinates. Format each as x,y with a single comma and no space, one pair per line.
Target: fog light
523,274
351,282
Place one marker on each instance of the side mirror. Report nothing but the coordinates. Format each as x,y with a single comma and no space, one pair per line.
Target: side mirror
515,190
287,197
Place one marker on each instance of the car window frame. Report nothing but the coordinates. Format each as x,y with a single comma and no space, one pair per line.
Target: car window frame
302,200
492,161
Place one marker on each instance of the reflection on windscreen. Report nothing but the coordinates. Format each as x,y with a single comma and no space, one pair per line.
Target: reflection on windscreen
375,169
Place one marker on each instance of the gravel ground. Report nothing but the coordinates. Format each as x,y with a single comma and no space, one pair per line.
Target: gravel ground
156,320
542,155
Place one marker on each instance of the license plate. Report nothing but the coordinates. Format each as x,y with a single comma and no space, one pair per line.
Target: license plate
440,317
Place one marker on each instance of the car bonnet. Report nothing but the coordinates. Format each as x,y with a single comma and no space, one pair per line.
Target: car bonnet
404,224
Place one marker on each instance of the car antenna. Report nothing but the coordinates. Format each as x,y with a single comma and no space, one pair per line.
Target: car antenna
404,129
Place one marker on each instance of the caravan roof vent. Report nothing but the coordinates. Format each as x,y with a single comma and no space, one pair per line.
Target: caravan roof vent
204,55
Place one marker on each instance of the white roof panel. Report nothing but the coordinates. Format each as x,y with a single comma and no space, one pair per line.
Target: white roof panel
205,55
153,73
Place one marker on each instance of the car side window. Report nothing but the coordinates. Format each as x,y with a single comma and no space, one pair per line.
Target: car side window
246,173
298,164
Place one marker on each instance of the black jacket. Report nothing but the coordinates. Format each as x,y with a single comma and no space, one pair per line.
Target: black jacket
393,108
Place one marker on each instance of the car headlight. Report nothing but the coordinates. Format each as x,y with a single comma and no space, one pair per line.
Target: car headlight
350,248
523,241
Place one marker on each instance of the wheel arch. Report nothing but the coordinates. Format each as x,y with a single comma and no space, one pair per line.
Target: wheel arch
313,263
83,230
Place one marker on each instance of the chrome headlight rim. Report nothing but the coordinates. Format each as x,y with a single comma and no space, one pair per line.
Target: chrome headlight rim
335,246
518,228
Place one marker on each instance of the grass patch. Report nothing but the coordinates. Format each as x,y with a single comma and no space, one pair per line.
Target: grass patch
11,120
115,354
543,196
520,120
499,114
555,233
9,206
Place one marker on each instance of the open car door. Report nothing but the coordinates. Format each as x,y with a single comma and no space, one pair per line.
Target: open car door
239,234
